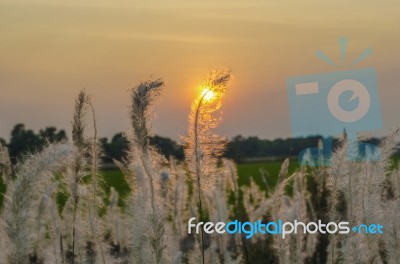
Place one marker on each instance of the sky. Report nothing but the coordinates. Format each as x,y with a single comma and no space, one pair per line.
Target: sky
51,49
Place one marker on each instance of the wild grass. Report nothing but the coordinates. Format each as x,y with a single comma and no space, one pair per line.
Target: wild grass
203,147
61,207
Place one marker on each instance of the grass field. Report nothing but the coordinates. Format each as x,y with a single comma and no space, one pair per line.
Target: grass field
248,170
114,177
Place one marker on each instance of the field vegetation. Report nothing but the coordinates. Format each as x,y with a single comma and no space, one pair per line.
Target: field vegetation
61,206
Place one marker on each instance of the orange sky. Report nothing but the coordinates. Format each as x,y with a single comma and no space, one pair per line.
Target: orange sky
50,49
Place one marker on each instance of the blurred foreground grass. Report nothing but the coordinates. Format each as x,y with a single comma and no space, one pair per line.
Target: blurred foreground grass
252,170
114,178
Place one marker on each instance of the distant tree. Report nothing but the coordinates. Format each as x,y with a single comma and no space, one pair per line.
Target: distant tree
52,135
116,149
25,140
241,147
167,147
22,141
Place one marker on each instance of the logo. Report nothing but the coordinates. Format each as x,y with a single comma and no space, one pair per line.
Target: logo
327,104
281,228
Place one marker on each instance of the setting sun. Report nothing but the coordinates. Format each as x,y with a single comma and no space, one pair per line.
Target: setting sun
208,94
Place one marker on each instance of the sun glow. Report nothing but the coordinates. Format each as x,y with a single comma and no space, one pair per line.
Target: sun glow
208,94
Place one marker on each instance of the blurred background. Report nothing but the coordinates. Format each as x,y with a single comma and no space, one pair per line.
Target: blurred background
50,50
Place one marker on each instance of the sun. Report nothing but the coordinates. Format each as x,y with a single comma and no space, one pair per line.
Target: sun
208,94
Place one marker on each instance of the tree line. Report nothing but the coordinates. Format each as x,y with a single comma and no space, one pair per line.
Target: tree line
23,141
239,148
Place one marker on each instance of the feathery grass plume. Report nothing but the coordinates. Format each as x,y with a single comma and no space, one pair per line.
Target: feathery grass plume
56,255
76,173
116,225
220,210
274,196
336,172
81,200
95,190
5,164
169,184
23,196
391,235
305,244
5,171
127,172
377,207
4,246
148,217
179,204
296,210
253,198
177,197
280,206
85,198
357,194
75,213
387,148
43,217
5,176
203,147
264,177
231,170
296,248
237,242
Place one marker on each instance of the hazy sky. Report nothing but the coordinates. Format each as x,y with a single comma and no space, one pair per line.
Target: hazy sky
50,49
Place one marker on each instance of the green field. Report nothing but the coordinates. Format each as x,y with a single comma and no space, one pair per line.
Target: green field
247,170
114,178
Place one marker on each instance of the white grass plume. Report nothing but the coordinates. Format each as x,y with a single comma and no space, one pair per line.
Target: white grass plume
23,194
147,210
85,199
5,164
203,147
116,222
43,218
97,224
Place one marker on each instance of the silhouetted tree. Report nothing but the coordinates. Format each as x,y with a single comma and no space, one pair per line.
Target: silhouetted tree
23,140
52,135
167,147
116,149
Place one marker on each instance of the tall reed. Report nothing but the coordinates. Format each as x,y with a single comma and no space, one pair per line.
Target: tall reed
23,198
203,147
143,161
85,199
5,164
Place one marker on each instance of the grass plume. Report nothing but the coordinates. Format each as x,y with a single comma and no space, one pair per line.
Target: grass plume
203,147
23,196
